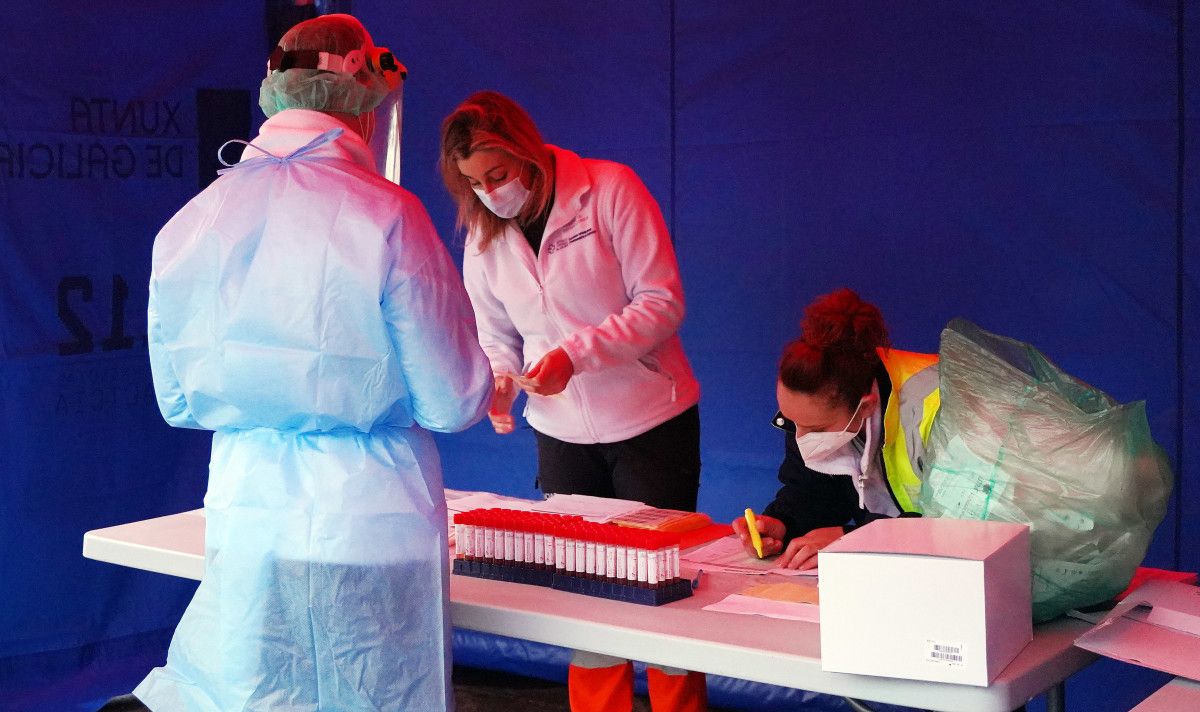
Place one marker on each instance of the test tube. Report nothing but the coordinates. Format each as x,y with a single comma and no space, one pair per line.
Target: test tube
618,567
547,524
675,543
468,536
526,527
660,559
610,554
498,534
569,543
560,547
518,539
631,559
477,534
489,538
458,536
539,542
580,548
507,533
589,544
602,549
645,562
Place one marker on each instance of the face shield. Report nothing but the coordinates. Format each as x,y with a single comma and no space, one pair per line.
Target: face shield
331,64
385,140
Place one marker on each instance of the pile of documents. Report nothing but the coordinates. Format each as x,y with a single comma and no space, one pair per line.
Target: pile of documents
727,554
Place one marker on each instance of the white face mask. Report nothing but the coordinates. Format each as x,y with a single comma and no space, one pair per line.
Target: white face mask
507,200
831,453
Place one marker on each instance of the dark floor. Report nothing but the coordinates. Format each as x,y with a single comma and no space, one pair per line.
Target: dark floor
90,685
474,691
484,690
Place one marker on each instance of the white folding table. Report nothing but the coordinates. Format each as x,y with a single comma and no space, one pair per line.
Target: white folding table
679,634
1178,694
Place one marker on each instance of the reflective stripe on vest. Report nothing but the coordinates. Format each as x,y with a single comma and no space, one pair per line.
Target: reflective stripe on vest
913,403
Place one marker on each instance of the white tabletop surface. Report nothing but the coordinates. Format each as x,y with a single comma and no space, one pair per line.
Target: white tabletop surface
1175,696
678,634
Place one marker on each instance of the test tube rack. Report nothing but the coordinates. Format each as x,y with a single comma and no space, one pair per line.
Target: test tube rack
567,553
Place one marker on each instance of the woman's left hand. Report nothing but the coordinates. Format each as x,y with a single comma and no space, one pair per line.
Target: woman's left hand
801,552
551,374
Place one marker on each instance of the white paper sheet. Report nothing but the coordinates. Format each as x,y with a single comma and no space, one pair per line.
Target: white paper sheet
750,605
466,501
1157,626
594,509
727,554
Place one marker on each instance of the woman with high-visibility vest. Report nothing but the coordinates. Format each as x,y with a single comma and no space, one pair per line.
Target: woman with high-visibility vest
856,415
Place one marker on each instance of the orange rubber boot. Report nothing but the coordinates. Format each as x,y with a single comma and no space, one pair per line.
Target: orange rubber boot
602,689
677,693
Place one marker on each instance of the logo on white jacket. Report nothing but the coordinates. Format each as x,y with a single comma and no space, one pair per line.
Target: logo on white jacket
564,242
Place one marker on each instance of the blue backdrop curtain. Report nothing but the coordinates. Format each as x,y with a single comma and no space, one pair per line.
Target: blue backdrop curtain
108,113
1031,167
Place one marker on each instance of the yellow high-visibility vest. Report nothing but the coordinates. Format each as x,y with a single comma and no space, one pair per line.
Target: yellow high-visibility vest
911,407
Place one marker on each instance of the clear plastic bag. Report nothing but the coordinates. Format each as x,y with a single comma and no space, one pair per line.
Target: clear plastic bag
1018,440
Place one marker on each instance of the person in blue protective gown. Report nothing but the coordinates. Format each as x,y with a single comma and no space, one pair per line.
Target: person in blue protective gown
304,309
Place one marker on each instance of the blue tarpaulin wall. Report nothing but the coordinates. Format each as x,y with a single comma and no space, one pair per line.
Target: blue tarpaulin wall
1031,167
104,112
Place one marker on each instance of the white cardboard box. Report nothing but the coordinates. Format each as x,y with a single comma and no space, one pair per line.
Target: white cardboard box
1157,626
944,600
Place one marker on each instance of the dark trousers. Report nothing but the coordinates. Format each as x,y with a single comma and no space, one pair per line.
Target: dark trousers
660,467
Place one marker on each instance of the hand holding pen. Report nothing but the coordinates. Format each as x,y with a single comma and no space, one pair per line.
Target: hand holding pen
770,530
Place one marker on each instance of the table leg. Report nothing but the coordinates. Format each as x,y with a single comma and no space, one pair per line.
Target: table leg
1056,698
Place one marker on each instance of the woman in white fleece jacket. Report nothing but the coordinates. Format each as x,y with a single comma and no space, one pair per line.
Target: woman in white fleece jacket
578,301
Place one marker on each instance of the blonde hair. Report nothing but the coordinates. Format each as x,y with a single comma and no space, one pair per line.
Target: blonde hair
488,120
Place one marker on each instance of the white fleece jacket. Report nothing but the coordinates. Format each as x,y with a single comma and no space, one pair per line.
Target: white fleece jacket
605,287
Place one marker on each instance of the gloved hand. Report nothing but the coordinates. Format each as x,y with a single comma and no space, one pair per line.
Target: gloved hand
500,413
550,375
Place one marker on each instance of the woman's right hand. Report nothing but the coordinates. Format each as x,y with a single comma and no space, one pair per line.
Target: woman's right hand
770,529
504,392
802,551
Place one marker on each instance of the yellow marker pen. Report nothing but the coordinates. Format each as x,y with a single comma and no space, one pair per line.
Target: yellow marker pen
755,539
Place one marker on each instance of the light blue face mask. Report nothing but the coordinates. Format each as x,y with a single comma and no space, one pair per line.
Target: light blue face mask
507,200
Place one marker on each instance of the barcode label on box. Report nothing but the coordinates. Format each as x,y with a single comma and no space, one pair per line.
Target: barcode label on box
943,653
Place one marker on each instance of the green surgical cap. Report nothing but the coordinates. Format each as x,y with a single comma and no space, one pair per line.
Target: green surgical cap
319,89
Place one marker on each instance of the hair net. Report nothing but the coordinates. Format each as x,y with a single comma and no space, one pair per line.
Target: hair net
320,89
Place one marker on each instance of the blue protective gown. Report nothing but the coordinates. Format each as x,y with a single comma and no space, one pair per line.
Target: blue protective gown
304,309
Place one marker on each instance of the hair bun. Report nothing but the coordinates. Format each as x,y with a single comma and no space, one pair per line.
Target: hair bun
841,322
